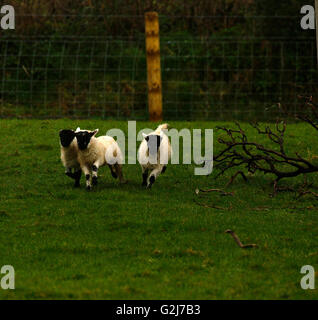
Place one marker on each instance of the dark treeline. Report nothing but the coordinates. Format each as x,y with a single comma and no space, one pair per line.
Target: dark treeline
121,17
220,59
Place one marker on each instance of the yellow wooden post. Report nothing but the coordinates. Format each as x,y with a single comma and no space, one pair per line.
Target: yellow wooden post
153,66
316,18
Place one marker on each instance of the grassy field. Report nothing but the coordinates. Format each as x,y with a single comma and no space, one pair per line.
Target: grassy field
124,242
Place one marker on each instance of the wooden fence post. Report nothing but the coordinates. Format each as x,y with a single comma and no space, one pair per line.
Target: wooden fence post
153,66
316,19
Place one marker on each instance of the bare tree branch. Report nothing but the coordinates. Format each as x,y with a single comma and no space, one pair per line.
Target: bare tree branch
243,154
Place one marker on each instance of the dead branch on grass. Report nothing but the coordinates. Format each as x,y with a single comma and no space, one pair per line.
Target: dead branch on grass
244,154
238,241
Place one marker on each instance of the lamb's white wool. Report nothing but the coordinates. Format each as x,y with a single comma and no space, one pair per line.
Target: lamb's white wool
154,154
113,153
95,152
69,153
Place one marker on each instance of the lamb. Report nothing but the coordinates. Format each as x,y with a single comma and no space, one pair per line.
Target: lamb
154,154
69,152
94,153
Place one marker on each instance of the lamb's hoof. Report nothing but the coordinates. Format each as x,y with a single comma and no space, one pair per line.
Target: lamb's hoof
114,175
88,188
94,181
152,179
144,184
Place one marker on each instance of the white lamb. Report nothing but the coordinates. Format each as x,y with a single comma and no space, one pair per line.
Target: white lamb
94,153
69,152
154,154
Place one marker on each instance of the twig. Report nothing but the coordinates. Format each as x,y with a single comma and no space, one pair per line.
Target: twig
211,206
234,176
223,193
238,241
302,193
280,189
265,208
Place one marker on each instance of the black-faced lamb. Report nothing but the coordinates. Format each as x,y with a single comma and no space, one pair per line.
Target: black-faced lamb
154,154
69,153
94,153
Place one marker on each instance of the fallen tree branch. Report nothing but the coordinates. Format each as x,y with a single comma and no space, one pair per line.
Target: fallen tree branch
223,193
212,206
247,156
238,241
240,153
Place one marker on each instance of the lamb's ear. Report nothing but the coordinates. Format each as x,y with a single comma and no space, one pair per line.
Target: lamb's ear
78,129
95,132
66,131
144,135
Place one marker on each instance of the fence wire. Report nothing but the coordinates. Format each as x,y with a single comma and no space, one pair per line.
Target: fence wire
206,76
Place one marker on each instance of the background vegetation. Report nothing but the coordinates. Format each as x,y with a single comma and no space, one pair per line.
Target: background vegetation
220,59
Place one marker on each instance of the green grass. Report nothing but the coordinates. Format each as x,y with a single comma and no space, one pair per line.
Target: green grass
124,242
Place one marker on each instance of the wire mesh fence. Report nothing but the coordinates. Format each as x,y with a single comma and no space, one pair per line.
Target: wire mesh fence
75,77
238,72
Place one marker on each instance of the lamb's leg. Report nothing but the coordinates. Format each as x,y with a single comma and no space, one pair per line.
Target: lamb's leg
153,176
68,172
144,176
77,177
164,169
113,171
87,177
95,171
119,172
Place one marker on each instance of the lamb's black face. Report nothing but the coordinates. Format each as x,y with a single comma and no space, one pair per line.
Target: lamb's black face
153,142
66,137
83,139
